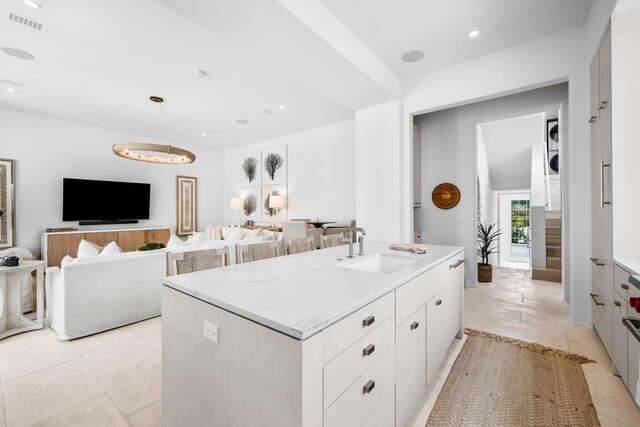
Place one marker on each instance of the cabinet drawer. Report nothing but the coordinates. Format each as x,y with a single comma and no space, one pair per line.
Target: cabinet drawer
355,405
602,321
414,293
384,414
621,282
343,334
343,370
411,376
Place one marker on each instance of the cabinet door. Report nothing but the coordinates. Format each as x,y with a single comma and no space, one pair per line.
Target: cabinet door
455,283
130,241
601,310
102,239
620,336
437,336
417,167
61,245
410,365
160,235
595,90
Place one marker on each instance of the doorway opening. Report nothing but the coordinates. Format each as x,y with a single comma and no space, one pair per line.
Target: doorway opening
515,222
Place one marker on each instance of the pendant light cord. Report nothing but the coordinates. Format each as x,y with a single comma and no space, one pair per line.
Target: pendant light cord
134,122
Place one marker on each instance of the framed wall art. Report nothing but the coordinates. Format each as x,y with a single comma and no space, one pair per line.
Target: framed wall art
187,201
7,204
274,166
252,200
250,169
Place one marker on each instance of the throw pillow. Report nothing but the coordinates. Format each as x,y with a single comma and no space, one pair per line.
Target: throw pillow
195,239
235,233
209,233
88,249
224,232
252,234
111,249
66,260
174,242
218,232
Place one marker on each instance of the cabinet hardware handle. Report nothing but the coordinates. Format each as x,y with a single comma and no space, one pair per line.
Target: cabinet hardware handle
624,286
414,325
370,385
368,350
595,299
592,119
617,303
460,261
602,166
597,262
368,321
602,105
438,302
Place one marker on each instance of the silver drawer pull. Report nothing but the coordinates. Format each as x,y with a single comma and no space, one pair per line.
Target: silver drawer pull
370,385
624,286
438,302
602,166
597,262
368,350
617,303
602,105
592,119
594,297
414,325
456,264
368,321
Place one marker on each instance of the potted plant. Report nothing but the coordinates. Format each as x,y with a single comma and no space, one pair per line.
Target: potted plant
486,236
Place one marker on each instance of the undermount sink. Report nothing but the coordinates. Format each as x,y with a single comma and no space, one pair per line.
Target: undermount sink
381,263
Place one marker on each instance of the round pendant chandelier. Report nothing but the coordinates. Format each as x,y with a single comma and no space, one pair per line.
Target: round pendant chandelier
151,152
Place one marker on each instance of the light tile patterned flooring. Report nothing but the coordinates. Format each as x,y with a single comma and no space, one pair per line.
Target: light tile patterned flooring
114,378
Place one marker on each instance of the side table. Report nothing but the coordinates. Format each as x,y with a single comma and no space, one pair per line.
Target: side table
12,321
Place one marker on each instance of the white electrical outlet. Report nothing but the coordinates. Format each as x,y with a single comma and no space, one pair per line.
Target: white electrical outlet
210,331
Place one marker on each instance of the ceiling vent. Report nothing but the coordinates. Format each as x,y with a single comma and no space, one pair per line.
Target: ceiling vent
28,22
10,82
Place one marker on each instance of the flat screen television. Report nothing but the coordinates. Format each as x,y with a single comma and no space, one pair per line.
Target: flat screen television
104,202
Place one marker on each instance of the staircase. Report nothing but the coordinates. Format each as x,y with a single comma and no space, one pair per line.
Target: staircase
553,272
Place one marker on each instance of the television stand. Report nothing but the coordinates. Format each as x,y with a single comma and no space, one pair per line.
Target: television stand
109,222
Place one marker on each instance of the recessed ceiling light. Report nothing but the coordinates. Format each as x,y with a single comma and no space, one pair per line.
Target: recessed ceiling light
281,107
204,134
10,89
18,53
32,4
413,56
242,121
474,33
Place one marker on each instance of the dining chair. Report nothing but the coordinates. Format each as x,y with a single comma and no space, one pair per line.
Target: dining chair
257,251
296,246
332,240
190,261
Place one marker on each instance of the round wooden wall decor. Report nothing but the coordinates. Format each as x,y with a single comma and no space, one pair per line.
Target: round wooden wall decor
445,196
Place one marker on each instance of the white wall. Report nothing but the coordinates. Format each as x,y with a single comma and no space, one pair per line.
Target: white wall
378,177
488,204
449,155
47,150
321,173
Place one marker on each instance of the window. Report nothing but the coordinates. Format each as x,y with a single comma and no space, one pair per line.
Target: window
520,222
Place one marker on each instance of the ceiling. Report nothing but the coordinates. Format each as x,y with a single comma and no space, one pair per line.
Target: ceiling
97,62
508,145
439,27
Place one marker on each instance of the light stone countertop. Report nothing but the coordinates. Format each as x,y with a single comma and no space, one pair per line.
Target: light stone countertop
302,294
631,265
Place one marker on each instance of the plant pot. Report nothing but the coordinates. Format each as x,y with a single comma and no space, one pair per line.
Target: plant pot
485,272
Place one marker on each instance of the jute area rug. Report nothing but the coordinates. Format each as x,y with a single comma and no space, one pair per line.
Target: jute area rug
500,381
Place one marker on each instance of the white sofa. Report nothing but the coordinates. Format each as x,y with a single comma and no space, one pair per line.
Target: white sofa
94,294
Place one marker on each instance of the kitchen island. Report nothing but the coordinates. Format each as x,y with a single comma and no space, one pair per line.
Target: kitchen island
310,339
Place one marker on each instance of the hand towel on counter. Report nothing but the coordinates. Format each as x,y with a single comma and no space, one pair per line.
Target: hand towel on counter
410,247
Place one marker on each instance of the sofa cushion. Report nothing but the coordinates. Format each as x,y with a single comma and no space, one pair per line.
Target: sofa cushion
195,239
174,242
88,249
110,249
251,234
68,259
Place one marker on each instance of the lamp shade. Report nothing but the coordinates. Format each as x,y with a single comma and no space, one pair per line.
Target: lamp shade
237,203
276,202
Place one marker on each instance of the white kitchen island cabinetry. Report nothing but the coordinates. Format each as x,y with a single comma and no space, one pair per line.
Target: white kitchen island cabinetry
309,339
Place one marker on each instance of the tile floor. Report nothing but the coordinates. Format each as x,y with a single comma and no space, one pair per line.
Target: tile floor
114,378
